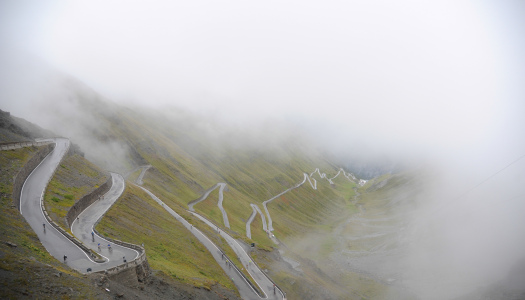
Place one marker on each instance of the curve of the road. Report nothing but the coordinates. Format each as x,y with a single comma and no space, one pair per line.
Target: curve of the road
256,210
322,175
245,289
348,176
54,241
221,186
141,176
59,246
313,184
83,227
143,167
267,226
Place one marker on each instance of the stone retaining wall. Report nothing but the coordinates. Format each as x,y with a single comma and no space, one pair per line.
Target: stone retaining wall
129,273
26,170
86,201
18,145
140,264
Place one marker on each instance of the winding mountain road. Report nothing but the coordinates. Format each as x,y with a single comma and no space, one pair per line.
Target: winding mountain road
256,210
245,289
264,283
313,185
54,241
221,187
60,246
83,227
265,203
141,176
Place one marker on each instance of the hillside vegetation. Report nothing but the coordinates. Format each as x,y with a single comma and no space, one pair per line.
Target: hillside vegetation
27,270
187,159
188,155
172,250
74,178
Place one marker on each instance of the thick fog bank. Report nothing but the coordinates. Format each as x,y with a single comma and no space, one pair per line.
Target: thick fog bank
375,86
466,231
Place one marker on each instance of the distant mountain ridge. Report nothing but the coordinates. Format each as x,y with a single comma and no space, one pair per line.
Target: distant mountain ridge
13,129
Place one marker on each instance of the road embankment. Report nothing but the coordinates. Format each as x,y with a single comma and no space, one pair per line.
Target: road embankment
26,170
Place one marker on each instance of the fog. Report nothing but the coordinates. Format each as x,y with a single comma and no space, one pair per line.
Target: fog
435,84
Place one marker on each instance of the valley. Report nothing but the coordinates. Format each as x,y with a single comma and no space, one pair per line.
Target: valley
297,232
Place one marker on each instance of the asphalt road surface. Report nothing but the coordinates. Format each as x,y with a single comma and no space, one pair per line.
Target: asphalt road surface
245,290
257,274
82,228
219,203
141,176
54,242
256,210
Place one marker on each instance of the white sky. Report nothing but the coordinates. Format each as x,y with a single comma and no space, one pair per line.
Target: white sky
439,78
403,72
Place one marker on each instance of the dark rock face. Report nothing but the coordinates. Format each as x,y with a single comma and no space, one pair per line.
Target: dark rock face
13,129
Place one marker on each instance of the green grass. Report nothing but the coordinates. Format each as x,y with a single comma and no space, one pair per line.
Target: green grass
134,176
221,243
28,267
186,162
76,177
170,247
208,207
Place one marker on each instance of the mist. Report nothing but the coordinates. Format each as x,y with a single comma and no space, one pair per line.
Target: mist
438,85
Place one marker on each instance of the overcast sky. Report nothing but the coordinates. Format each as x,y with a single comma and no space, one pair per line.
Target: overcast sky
411,73
442,79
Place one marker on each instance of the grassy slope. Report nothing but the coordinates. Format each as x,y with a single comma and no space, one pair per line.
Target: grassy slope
187,161
185,165
304,209
306,220
28,271
134,176
136,218
209,208
375,200
74,178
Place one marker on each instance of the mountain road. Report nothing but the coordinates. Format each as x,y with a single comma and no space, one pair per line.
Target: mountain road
58,245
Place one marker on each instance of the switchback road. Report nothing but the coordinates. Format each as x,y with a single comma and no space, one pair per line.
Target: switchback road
54,241
82,228
245,289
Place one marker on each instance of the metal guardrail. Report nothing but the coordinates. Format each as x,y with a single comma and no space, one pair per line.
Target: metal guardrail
114,270
91,253
126,265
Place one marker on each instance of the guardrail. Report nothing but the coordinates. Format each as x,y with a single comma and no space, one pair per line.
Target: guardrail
95,256
140,259
18,145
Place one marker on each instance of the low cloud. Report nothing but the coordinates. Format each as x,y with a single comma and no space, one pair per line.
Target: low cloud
416,84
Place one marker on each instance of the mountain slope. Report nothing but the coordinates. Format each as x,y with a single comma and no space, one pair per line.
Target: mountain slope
187,158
